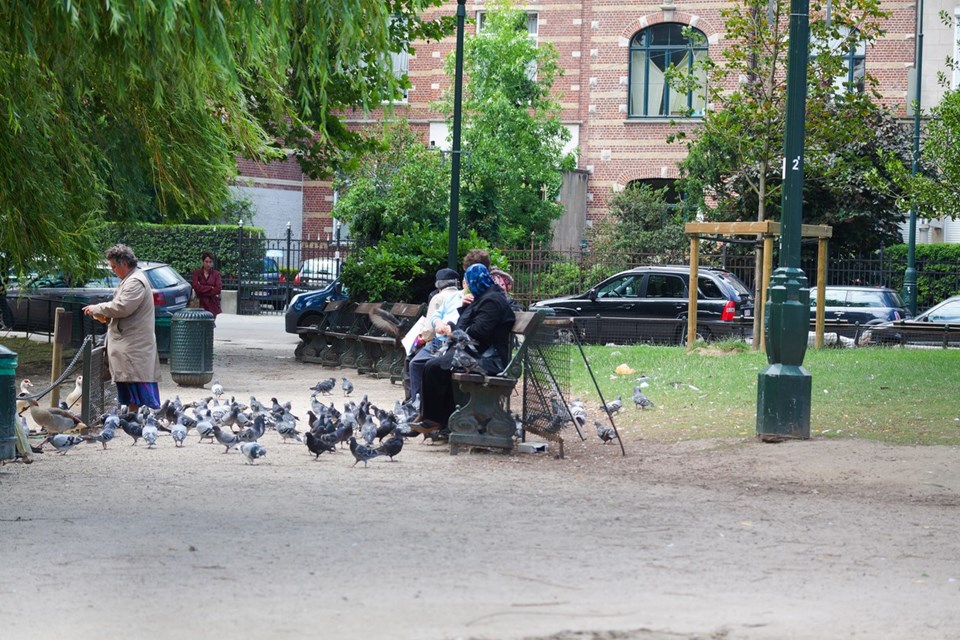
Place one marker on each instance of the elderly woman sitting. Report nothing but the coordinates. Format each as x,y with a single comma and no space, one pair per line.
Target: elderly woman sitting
487,320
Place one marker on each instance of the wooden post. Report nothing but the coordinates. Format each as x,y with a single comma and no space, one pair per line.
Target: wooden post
765,276
692,286
821,290
62,332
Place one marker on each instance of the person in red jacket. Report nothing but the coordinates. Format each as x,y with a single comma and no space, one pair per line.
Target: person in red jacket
207,285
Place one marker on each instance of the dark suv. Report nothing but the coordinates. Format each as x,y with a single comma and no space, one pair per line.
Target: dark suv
650,304
863,305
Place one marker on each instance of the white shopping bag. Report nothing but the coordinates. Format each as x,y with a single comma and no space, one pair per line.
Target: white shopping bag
414,333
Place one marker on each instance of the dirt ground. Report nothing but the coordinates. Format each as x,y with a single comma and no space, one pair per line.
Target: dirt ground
728,539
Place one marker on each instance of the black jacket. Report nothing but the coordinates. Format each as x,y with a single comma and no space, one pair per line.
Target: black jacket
489,320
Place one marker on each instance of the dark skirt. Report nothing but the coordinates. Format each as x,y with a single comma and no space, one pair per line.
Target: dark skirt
141,394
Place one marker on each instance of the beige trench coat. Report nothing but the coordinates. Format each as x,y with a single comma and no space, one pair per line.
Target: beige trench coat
131,341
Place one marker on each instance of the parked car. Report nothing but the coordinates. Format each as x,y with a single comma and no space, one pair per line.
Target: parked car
305,308
317,273
863,305
269,286
937,326
648,304
34,302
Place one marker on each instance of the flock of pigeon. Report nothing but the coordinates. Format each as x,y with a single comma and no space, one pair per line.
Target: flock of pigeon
237,426
241,427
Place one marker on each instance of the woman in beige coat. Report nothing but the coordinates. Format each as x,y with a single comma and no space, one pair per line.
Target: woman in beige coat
131,341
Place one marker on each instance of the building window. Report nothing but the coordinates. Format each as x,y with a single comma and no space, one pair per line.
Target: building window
653,51
854,65
671,197
400,63
532,24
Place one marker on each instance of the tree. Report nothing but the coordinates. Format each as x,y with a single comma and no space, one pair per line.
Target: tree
640,222
512,133
399,188
938,191
113,109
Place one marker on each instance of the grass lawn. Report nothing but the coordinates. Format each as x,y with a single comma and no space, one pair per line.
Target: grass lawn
34,359
905,396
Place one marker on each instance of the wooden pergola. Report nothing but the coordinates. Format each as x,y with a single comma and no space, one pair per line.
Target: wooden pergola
768,230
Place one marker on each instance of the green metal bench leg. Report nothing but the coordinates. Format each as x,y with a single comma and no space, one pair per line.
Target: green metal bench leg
482,421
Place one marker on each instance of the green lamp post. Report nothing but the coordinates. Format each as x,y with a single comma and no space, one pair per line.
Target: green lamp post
455,151
783,387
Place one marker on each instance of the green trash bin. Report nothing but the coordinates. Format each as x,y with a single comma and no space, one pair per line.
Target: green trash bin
8,404
191,347
161,329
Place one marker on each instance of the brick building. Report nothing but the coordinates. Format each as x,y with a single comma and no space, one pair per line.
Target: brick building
613,98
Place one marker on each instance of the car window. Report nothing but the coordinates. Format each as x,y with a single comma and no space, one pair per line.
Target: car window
735,282
949,312
661,285
832,298
163,277
622,287
270,265
709,289
865,299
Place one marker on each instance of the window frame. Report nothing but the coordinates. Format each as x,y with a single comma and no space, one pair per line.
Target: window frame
692,48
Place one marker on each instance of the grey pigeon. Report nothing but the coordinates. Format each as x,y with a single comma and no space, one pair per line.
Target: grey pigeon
107,433
226,438
252,451
640,400
578,412
324,386
347,387
63,442
288,431
150,434
605,432
216,389
205,427
368,430
178,433
614,405
361,452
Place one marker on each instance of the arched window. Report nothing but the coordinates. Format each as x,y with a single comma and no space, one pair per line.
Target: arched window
653,51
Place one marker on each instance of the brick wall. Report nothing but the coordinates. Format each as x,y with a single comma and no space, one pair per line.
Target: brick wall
592,37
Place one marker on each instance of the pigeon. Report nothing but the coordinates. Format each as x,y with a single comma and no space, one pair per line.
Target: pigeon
205,428
132,429
255,431
605,432
74,396
216,389
317,445
54,420
288,431
368,430
324,386
392,446
252,450
640,400
347,387
226,438
179,434
614,405
388,323
63,442
578,412
150,433
107,433
361,452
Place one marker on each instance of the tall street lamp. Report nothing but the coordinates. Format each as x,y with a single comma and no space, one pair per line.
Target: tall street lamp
455,151
783,387
910,275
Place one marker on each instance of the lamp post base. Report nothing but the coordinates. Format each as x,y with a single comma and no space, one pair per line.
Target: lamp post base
783,403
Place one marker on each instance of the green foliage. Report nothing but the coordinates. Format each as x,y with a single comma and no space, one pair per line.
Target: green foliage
640,222
732,171
939,194
180,245
403,267
402,187
512,131
129,110
935,263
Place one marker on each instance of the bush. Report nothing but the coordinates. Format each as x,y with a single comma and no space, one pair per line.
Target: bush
403,267
938,271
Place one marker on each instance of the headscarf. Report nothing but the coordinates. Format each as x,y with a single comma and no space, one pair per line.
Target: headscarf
502,278
478,279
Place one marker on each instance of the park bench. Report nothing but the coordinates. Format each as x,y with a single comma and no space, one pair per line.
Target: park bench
313,339
353,355
383,354
484,419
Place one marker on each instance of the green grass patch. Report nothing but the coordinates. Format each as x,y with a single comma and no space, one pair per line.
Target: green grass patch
903,396
34,358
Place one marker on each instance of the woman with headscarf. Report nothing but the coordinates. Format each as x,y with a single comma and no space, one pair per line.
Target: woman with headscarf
488,320
131,340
